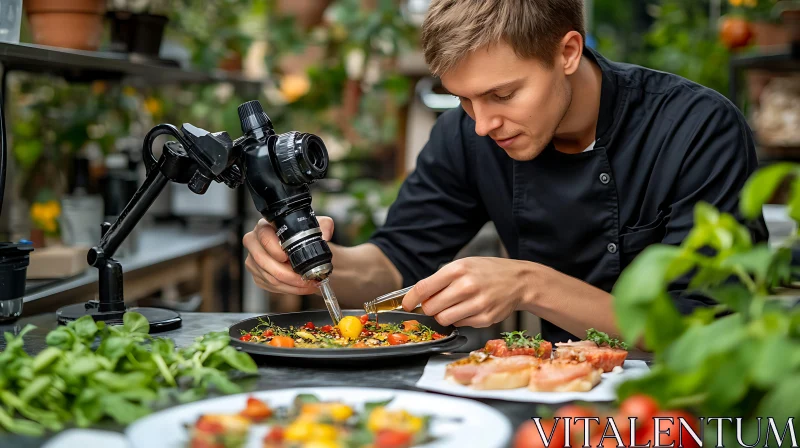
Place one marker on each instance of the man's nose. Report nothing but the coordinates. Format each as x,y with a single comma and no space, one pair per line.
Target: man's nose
485,122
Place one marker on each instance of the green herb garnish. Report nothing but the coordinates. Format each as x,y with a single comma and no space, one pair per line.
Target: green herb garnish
91,371
600,338
518,339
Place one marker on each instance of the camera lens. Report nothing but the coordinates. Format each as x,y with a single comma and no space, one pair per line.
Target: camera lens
302,158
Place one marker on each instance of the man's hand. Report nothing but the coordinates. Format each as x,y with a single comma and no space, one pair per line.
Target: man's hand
269,264
474,292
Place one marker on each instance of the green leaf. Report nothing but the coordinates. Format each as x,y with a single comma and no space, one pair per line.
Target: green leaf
240,361
700,342
728,382
781,402
735,296
705,215
221,382
756,261
45,358
372,405
760,187
114,347
793,206
774,359
135,323
35,388
84,366
85,327
61,337
664,324
17,426
302,399
122,410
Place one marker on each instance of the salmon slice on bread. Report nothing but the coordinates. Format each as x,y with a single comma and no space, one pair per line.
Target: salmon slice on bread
517,343
484,372
598,350
564,376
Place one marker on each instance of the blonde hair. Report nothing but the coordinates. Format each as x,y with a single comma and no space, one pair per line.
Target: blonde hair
533,28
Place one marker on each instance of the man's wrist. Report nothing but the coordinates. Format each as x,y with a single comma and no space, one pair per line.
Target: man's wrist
536,285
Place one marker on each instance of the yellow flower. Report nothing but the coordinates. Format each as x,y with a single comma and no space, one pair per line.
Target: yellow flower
152,105
735,2
293,87
751,3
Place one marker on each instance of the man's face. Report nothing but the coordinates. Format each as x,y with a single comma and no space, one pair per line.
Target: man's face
518,103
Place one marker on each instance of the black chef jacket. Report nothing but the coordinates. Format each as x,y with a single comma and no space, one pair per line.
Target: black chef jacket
663,144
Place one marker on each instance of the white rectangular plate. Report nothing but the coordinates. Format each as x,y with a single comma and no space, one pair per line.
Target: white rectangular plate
432,379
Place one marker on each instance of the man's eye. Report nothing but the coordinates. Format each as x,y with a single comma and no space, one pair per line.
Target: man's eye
504,98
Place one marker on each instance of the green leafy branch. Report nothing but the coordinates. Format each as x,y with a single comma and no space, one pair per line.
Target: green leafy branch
91,371
518,339
740,357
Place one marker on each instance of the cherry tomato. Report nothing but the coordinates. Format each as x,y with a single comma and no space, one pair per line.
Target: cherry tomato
246,337
282,341
388,438
209,426
397,339
256,410
199,443
411,325
640,406
596,433
326,329
437,336
360,344
275,435
735,32
267,333
528,436
677,432
364,319
309,325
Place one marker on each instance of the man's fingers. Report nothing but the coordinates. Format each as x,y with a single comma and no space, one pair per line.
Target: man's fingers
268,239
427,287
441,301
265,280
459,312
326,225
282,271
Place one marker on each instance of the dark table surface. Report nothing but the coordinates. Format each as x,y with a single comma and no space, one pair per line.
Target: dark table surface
272,376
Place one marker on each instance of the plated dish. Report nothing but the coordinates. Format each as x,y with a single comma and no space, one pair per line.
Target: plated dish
351,332
324,417
518,361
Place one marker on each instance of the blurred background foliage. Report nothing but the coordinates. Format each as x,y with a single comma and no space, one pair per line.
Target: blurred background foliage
328,67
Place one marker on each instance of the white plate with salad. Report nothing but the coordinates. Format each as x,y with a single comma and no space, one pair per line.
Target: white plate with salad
325,418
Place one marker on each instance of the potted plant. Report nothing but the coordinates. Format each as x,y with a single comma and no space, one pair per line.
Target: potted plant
137,26
74,24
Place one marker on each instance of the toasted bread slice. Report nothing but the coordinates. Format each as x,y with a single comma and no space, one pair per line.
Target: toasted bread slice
564,376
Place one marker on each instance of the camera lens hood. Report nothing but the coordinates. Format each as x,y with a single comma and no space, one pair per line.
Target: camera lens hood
302,157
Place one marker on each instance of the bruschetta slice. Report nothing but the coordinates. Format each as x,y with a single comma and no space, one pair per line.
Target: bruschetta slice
564,376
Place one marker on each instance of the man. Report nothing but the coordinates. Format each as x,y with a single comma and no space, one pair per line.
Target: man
580,163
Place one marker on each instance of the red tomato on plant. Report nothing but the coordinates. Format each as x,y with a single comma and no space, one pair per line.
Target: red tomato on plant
640,406
735,32
528,436
397,339
677,433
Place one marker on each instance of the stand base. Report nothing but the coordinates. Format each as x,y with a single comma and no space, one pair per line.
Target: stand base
160,319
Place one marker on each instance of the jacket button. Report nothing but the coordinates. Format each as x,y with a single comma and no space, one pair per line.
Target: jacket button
612,248
605,178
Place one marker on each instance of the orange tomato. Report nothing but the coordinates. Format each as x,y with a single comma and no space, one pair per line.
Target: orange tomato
735,32
364,318
677,432
411,325
282,341
256,410
388,438
397,339
640,406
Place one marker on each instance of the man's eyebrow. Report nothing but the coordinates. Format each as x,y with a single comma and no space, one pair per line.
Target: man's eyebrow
491,90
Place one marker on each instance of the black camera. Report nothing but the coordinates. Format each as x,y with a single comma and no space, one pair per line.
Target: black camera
278,171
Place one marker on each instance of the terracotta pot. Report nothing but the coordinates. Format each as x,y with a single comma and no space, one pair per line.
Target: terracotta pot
76,24
768,34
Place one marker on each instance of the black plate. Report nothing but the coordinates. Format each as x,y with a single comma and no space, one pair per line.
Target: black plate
450,342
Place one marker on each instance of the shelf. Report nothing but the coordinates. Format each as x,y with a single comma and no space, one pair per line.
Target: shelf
787,60
77,65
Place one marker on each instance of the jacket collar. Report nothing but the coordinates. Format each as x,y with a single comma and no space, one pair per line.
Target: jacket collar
611,97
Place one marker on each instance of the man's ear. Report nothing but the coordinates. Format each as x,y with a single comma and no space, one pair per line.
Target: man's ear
571,52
